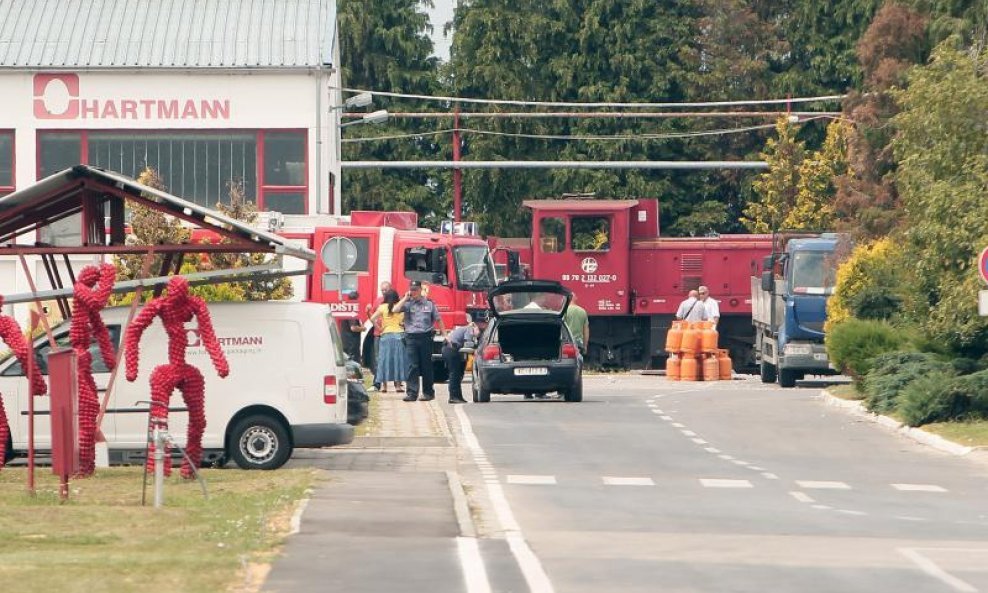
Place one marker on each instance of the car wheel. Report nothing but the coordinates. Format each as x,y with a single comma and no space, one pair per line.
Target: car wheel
259,442
787,378
575,394
8,453
483,395
768,372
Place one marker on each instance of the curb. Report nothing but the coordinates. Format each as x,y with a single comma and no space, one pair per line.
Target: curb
919,435
461,507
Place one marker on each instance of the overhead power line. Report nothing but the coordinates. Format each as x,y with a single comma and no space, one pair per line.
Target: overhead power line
598,114
554,164
606,104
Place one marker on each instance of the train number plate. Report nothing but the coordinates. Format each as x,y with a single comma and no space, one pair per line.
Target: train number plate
529,371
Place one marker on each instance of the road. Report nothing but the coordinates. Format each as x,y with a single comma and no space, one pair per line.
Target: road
651,485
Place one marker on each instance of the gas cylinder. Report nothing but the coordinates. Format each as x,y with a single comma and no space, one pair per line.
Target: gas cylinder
688,368
724,358
708,337
690,340
674,337
711,368
673,367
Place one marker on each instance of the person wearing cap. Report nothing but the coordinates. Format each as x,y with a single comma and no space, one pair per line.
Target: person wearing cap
455,363
421,315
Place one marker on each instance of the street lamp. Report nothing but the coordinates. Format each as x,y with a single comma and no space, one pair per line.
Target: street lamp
375,117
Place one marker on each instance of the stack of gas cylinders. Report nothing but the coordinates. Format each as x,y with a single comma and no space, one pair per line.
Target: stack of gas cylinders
693,353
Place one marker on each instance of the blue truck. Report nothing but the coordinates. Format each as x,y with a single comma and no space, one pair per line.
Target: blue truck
789,307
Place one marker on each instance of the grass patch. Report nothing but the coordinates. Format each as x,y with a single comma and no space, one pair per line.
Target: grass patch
848,392
102,539
969,434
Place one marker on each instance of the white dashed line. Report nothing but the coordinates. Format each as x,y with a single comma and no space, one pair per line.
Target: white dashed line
530,480
756,468
678,425
824,485
712,450
739,462
726,457
909,518
699,441
931,568
611,481
822,507
769,476
802,497
919,488
855,513
688,433
721,483
666,418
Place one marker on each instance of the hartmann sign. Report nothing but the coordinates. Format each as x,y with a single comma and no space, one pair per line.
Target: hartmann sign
61,97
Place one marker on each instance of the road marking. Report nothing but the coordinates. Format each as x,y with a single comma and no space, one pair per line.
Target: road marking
721,483
855,513
529,564
756,468
726,457
474,573
678,425
919,488
535,480
666,418
699,441
712,450
931,568
909,518
802,497
610,481
822,507
822,485
688,433
656,412
769,476
739,462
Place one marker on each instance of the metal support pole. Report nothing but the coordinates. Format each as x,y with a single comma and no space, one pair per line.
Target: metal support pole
457,173
30,403
159,465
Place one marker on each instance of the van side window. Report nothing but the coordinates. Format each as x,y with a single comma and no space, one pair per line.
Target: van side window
426,264
42,350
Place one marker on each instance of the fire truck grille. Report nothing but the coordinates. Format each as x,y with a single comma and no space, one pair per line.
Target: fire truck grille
690,262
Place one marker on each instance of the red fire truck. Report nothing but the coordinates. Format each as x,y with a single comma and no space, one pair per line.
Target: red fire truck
454,264
630,280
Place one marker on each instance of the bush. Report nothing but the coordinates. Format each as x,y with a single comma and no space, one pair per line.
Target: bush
867,284
892,372
853,343
935,397
975,386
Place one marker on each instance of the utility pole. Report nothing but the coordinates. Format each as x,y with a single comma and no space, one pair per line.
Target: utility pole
457,173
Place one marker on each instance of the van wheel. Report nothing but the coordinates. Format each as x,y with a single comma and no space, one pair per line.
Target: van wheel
768,372
787,378
259,442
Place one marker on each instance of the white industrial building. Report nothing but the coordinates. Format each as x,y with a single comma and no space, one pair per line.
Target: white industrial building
203,91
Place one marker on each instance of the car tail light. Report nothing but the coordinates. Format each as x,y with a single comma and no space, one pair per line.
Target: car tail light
491,352
329,389
569,351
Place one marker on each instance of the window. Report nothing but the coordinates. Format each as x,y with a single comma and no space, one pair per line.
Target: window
42,350
552,235
590,233
196,166
6,162
426,265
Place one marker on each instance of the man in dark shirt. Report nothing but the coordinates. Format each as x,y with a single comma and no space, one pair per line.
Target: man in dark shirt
455,364
421,315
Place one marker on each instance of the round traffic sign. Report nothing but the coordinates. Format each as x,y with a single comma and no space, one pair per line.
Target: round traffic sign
339,254
983,264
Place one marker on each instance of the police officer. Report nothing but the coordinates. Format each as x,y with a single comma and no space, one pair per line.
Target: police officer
455,364
421,315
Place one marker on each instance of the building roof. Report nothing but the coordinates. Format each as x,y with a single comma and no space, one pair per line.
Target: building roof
181,34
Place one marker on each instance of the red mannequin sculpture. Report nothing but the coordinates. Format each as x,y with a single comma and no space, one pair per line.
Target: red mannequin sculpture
11,334
176,308
91,293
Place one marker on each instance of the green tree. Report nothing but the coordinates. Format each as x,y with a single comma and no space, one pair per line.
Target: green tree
942,152
778,187
385,46
149,227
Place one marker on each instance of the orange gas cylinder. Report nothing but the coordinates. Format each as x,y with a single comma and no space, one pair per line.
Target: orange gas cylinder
690,341
725,364
674,337
708,337
688,368
673,367
711,368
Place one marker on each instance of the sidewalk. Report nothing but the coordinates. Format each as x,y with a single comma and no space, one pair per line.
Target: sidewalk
382,519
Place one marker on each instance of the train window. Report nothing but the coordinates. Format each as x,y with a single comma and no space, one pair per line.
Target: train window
552,235
590,233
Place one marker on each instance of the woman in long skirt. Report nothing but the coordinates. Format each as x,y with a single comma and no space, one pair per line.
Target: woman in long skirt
391,364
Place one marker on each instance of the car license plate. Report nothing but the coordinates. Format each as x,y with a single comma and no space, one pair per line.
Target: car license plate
821,356
529,371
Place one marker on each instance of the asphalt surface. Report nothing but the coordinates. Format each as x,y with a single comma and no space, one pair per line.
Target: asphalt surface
649,485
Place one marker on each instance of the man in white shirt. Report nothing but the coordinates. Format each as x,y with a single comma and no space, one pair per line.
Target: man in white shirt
691,309
710,306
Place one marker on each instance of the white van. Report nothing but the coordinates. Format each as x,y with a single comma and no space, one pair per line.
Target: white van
287,386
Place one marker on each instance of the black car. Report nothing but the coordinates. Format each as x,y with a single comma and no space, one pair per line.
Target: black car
358,400
527,349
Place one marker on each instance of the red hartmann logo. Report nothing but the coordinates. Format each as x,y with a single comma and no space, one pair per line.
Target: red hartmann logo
58,96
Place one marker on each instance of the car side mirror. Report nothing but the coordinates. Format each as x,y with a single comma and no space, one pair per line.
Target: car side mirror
768,281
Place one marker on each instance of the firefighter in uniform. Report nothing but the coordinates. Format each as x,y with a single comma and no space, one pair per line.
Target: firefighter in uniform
421,315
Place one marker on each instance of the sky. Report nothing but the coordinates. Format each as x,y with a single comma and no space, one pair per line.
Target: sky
440,14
